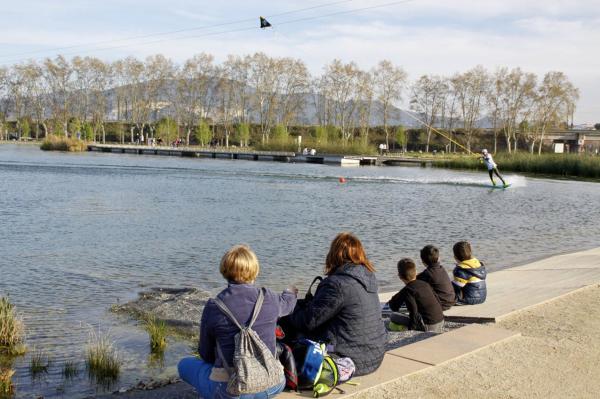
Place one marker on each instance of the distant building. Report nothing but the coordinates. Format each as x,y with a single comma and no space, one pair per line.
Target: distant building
573,140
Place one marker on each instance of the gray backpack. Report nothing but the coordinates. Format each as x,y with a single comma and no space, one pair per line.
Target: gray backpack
254,369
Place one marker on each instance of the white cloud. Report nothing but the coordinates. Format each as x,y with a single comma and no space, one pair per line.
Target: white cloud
424,36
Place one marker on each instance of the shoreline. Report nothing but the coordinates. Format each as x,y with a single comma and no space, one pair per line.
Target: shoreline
180,390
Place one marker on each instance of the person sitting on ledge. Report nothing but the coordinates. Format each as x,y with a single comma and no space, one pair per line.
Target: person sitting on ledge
469,276
239,266
424,310
436,276
345,312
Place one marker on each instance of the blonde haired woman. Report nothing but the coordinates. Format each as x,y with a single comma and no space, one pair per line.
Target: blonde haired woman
240,267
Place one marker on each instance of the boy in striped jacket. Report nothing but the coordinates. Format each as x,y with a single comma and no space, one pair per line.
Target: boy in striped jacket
469,276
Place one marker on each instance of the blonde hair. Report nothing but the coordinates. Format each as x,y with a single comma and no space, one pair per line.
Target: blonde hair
239,264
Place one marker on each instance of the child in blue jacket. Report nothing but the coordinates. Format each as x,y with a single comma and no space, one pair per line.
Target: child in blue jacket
469,276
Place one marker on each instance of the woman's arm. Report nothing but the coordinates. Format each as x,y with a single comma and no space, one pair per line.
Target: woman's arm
325,305
207,341
287,302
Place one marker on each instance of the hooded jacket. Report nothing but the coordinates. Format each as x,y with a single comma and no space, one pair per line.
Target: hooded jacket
469,282
345,313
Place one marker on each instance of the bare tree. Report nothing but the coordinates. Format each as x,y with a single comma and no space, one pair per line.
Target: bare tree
428,96
493,100
516,91
342,82
133,75
157,95
58,74
293,84
194,90
470,88
554,97
389,82
364,100
263,78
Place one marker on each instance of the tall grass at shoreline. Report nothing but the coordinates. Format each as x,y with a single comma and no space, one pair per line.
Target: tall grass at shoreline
55,143
101,359
70,369
566,165
12,330
157,332
7,388
39,363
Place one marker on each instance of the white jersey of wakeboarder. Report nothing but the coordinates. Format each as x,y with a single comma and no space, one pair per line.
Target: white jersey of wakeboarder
489,161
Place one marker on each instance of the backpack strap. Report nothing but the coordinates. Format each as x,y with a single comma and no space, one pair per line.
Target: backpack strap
221,305
257,307
230,316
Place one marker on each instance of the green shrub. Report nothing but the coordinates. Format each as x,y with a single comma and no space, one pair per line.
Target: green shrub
101,358
157,331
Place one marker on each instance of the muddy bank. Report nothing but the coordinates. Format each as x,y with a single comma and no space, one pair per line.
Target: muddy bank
179,308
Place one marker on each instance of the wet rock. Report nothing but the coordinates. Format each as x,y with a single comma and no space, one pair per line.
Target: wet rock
179,308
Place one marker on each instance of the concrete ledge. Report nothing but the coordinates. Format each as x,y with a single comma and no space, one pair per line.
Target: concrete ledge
392,369
519,288
411,359
454,344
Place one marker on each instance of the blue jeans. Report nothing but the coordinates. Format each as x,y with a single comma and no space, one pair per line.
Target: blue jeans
196,371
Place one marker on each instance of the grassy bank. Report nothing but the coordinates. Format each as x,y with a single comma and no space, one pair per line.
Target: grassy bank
55,143
566,165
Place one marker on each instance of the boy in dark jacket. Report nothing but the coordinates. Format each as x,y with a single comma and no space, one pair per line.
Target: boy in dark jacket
437,277
425,311
469,276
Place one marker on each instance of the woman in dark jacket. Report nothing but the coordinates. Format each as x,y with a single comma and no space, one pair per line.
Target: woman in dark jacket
345,312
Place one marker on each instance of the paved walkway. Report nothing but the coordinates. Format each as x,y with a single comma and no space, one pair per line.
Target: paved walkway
509,291
521,287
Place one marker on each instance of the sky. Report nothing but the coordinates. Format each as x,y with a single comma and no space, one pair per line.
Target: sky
423,36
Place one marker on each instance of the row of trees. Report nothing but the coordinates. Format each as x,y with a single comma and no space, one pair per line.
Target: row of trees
272,92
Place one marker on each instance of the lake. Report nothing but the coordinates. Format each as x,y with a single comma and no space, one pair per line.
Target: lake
81,232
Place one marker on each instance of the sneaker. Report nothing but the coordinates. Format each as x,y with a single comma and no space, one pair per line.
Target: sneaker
396,327
493,183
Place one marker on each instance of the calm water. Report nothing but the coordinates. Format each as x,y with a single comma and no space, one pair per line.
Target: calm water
80,232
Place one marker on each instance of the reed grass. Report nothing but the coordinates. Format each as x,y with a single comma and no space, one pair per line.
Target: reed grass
565,165
70,369
157,332
7,389
12,330
39,363
55,143
102,360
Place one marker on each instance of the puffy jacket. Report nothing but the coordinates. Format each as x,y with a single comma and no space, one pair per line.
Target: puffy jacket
437,277
345,313
469,282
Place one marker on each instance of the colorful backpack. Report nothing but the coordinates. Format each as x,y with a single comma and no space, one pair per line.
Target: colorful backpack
318,371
